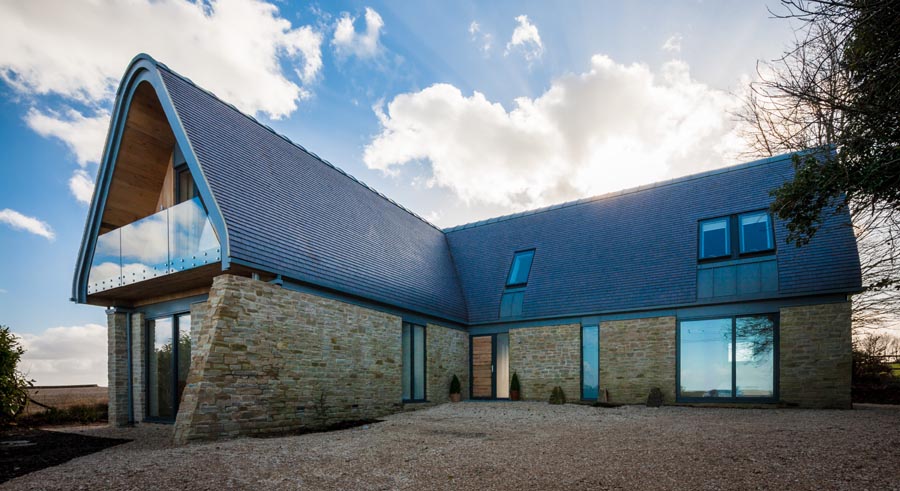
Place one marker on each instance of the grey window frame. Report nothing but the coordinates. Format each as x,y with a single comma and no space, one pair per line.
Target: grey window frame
776,361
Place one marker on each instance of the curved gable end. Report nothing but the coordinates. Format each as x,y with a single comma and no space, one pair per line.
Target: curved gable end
145,138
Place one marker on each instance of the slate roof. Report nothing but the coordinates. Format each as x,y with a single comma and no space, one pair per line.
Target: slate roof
290,212
637,248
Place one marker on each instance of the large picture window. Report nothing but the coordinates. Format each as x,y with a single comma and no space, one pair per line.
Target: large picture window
590,362
727,358
413,376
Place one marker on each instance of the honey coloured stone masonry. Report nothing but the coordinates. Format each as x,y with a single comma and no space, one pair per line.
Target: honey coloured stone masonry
254,288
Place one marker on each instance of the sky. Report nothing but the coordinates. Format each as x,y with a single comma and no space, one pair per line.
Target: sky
457,110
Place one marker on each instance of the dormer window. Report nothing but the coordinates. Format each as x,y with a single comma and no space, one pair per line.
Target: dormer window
520,269
751,231
756,232
714,238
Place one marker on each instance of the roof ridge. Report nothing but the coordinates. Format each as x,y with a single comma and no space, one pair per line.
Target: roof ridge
299,146
626,191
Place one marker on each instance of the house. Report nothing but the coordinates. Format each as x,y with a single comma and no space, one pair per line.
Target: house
253,287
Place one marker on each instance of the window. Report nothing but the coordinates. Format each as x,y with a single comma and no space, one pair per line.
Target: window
521,267
413,377
714,238
756,232
184,185
752,231
590,362
727,358
168,363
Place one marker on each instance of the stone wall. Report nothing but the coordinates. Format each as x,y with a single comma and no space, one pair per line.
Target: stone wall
545,357
816,358
447,353
267,359
138,365
635,356
117,367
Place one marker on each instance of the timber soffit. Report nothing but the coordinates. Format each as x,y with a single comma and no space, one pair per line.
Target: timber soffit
142,69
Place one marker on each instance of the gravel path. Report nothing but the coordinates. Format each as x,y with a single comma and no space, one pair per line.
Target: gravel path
518,446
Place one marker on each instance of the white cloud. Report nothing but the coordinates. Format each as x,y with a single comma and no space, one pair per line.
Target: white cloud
29,224
673,44
66,355
82,186
232,47
527,38
347,41
612,127
483,38
79,50
85,136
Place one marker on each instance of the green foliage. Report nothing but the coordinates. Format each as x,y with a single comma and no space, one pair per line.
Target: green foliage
514,385
455,387
837,90
557,396
13,385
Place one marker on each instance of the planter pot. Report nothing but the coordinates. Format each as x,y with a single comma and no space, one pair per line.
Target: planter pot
454,397
514,395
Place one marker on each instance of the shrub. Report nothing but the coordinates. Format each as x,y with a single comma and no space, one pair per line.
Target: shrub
557,396
455,387
13,385
514,385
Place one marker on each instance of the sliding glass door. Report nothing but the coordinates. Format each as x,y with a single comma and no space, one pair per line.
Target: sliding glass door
168,364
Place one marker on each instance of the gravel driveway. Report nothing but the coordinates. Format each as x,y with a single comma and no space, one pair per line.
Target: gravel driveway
518,446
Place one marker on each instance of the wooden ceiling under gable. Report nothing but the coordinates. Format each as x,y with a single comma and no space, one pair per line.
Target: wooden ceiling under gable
145,153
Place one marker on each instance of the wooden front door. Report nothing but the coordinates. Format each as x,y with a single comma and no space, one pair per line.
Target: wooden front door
482,367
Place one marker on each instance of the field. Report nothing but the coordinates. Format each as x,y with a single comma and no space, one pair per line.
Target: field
63,397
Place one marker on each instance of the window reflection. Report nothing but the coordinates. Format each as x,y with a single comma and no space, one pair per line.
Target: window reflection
755,360
168,364
706,358
714,238
590,362
727,358
756,232
159,390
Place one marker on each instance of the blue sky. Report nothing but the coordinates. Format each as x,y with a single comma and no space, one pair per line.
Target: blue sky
459,111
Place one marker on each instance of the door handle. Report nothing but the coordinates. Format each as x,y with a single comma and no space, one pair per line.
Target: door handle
492,368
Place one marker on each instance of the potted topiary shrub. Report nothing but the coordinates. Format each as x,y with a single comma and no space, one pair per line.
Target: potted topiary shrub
455,389
515,389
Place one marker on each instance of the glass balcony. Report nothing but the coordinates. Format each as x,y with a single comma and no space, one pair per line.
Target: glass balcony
175,239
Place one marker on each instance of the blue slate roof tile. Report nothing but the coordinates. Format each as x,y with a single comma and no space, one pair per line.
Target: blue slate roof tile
289,211
637,248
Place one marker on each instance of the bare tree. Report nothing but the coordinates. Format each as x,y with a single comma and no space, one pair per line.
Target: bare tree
837,92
